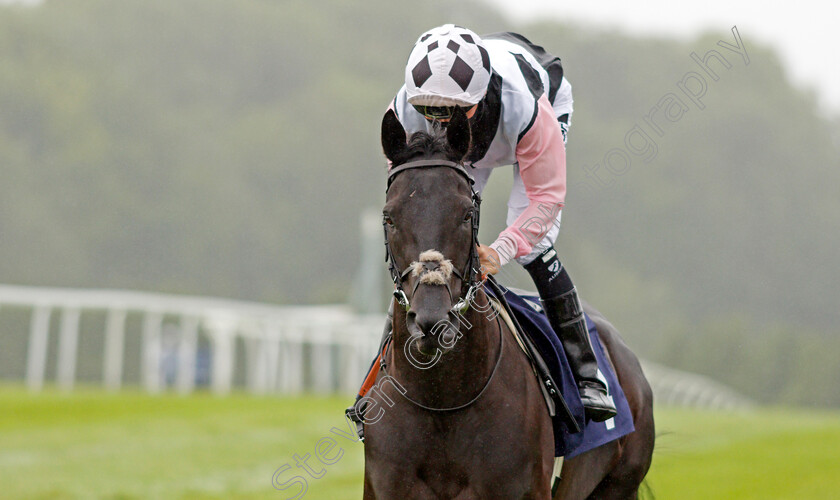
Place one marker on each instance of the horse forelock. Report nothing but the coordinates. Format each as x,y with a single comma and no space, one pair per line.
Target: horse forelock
425,145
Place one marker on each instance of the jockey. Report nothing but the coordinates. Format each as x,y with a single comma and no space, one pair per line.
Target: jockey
519,106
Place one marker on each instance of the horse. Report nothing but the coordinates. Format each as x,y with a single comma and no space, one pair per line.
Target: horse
456,411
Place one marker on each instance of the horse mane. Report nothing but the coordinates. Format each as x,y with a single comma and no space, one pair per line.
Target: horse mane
426,145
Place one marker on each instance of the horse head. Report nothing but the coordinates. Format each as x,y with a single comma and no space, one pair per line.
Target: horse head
431,220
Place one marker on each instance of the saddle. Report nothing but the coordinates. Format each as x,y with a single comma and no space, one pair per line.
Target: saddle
529,319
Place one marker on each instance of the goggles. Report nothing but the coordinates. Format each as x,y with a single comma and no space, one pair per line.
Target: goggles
435,112
441,113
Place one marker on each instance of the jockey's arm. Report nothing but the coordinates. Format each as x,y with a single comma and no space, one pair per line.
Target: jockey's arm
541,154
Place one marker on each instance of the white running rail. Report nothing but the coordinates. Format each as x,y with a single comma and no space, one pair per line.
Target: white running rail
280,349
340,344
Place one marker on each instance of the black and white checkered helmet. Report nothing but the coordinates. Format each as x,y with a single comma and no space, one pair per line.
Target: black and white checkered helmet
448,66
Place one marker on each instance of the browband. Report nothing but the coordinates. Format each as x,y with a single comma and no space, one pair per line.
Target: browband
429,163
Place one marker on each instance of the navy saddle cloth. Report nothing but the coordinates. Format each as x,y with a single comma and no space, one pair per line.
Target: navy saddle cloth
529,313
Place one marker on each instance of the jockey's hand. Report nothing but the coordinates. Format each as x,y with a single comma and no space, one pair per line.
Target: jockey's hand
489,260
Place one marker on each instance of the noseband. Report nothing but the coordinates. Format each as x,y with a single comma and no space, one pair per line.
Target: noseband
471,275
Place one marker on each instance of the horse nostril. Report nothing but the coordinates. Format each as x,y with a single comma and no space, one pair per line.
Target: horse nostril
427,323
419,323
412,323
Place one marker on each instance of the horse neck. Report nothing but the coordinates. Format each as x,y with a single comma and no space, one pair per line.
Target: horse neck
459,373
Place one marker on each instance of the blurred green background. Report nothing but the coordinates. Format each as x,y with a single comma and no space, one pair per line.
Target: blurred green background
228,148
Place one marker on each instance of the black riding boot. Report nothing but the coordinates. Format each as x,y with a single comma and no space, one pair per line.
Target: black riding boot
566,317
356,413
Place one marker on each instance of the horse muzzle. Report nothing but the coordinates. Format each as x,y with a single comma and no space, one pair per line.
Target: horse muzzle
431,318
432,321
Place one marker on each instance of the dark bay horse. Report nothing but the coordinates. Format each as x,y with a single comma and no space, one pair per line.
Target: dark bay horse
456,412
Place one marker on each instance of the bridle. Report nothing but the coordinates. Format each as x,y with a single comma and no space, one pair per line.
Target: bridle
471,275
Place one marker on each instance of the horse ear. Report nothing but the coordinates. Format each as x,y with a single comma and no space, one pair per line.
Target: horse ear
458,133
393,135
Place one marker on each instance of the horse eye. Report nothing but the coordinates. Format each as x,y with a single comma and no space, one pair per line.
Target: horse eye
468,217
388,220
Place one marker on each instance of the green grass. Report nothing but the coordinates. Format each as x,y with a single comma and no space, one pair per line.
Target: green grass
765,454
132,446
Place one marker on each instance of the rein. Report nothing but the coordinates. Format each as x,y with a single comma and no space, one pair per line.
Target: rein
471,276
477,396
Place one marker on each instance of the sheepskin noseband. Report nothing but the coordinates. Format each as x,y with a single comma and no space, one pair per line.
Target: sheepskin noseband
432,268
